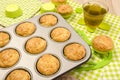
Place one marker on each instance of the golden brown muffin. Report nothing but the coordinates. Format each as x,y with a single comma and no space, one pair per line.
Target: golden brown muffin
8,58
25,29
48,64
4,38
19,74
60,34
102,43
65,10
36,45
48,20
74,51
58,2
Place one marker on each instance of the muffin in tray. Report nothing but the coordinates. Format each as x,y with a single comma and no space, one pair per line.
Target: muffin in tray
65,10
102,44
18,74
25,29
60,34
58,2
74,51
4,39
48,20
8,57
48,64
36,45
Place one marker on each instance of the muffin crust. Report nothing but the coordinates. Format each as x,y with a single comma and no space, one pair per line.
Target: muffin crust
4,39
59,1
48,64
102,43
74,51
19,75
25,29
48,20
8,58
35,45
60,34
64,9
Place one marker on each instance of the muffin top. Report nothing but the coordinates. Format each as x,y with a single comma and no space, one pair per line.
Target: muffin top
19,75
59,1
48,20
25,29
64,9
4,38
102,43
48,64
60,34
8,57
36,45
74,51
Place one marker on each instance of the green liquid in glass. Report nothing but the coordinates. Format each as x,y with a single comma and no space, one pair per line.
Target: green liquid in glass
93,15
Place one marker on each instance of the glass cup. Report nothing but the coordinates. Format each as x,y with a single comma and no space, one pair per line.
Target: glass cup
94,12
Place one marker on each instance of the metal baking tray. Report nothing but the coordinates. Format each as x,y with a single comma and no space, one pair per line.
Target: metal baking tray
28,61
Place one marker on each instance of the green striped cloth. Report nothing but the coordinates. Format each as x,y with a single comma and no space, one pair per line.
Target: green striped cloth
112,70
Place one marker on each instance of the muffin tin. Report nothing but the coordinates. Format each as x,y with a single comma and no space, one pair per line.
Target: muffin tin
28,61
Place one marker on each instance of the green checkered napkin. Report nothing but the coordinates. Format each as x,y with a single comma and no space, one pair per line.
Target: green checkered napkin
29,8
112,70
109,72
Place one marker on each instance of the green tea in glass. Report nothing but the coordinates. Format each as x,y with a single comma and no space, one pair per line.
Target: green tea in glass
94,12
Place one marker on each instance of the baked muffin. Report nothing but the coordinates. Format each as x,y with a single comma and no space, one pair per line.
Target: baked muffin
8,57
48,20
60,34
102,44
35,45
18,74
58,2
48,64
65,10
4,39
74,51
25,29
